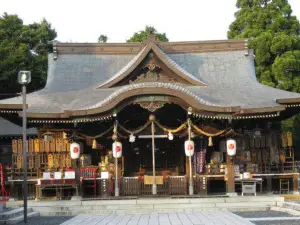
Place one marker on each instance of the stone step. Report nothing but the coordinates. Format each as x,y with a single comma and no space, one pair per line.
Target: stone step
289,205
108,212
18,219
10,213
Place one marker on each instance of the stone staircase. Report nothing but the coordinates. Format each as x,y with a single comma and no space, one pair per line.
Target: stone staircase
288,207
146,205
15,215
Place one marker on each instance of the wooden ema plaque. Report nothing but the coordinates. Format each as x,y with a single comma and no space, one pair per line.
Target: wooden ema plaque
15,146
19,161
52,145
31,145
47,146
38,161
56,161
50,161
68,161
20,142
36,145
63,160
30,162
42,145
59,145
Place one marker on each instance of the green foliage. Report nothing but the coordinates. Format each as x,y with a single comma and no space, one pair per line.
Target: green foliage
274,34
144,34
23,47
102,38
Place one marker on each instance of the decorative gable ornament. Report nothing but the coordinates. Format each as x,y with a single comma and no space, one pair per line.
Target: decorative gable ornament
231,147
75,150
117,149
189,147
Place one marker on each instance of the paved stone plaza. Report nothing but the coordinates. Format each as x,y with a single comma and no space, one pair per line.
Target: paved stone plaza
188,218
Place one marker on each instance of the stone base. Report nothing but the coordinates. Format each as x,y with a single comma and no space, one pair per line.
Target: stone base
76,198
232,194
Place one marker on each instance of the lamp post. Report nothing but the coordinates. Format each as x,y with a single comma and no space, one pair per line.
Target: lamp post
24,78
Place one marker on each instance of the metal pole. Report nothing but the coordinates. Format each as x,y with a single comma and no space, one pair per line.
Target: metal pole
154,188
117,182
25,187
191,188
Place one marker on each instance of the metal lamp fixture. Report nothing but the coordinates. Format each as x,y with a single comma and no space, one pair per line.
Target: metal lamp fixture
24,78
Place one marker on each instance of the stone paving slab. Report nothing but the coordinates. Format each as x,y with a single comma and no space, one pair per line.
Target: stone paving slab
155,218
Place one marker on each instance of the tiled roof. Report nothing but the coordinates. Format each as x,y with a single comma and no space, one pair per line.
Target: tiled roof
229,77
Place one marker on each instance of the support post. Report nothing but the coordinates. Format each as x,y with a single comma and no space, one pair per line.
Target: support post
117,190
154,187
230,177
295,184
25,187
191,187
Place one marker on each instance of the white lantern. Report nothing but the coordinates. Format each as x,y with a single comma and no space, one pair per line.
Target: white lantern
131,138
189,147
117,149
75,150
231,147
170,136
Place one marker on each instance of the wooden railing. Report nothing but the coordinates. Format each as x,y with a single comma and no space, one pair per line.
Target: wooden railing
134,186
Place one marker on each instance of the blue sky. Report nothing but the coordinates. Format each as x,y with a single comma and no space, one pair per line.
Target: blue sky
84,21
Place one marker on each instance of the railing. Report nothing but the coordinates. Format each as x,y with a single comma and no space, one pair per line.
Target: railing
172,185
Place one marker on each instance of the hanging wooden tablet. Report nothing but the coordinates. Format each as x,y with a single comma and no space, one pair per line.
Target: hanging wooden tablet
68,161
15,146
36,145
47,146
31,145
289,139
62,160
257,142
52,145
42,145
37,161
263,141
284,140
30,162
58,146
251,142
20,147
50,161
56,160
253,156
19,161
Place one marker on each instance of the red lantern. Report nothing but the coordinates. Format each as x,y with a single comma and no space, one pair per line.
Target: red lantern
117,149
75,150
189,147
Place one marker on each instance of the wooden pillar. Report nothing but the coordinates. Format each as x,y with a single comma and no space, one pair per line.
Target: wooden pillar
230,177
269,185
295,184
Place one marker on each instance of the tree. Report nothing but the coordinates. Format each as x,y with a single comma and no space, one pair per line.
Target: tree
102,38
23,47
144,34
274,35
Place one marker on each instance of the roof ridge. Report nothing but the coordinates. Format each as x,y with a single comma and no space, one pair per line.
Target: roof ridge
171,64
